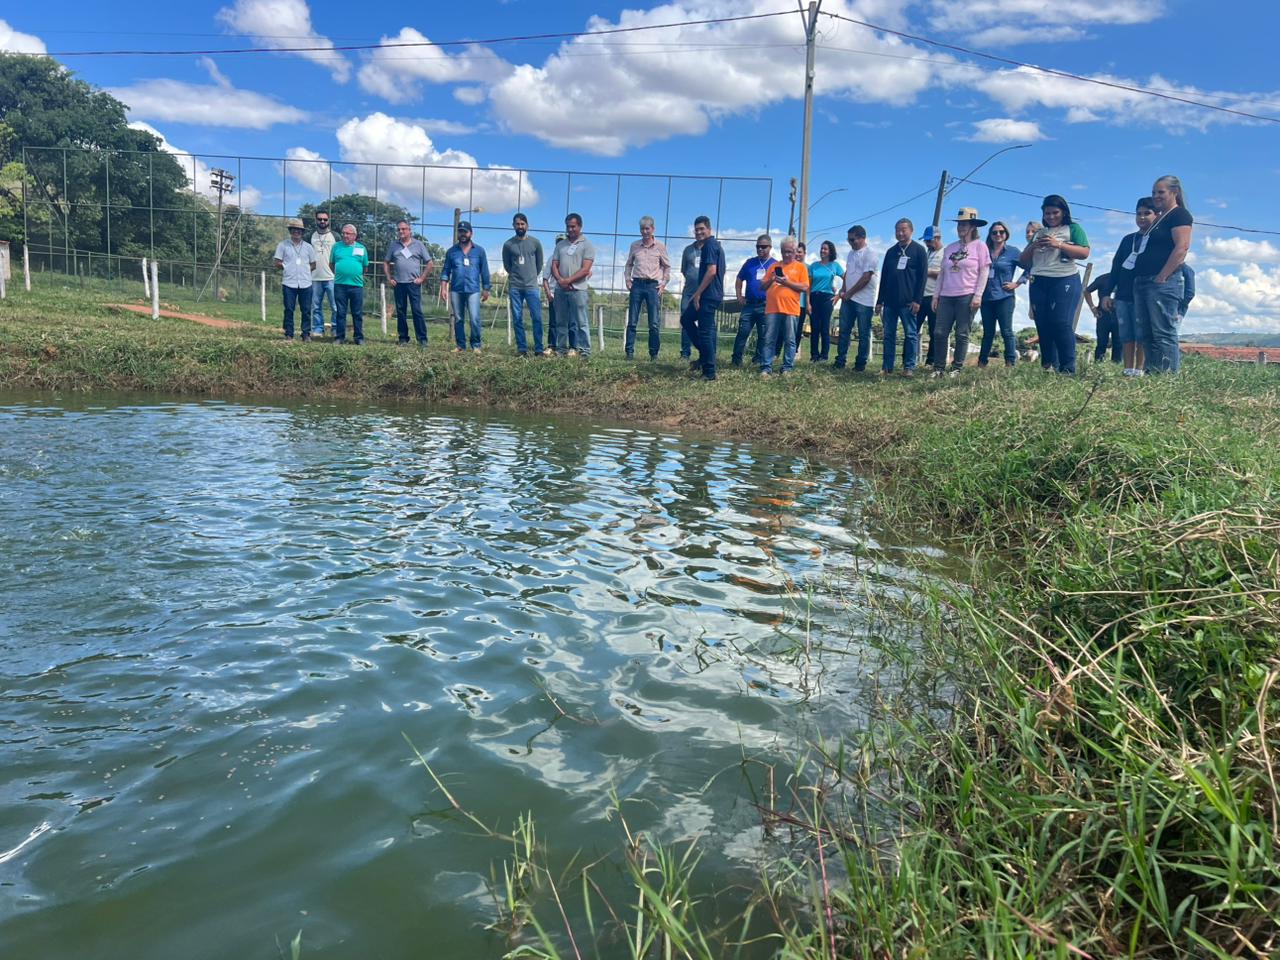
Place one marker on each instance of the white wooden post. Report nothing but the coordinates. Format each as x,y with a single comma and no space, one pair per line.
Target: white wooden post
382,293
26,268
264,296
155,290
600,325
3,292
510,330
146,279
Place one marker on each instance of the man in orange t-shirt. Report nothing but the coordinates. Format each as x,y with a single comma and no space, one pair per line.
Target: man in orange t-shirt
782,288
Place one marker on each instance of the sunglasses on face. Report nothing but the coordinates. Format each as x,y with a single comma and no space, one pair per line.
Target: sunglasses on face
763,246
322,219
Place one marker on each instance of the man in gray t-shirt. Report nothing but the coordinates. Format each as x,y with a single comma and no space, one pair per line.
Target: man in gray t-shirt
570,268
406,268
522,260
690,267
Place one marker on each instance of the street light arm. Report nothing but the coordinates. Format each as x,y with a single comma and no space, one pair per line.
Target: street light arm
956,183
825,195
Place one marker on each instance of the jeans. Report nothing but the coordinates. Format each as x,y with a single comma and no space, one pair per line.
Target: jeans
820,325
320,291
779,327
467,304
572,315
301,298
409,294
751,318
1127,321
700,325
927,322
1108,330
348,298
850,313
1157,312
957,313
520,297
644,293
1055,300
998,313
910,336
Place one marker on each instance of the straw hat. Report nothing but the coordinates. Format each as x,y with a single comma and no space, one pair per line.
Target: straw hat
293,223
970,215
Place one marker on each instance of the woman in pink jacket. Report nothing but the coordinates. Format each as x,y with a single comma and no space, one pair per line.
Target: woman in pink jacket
958,295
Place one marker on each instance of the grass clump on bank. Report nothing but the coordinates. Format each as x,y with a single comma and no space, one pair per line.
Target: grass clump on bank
1104,782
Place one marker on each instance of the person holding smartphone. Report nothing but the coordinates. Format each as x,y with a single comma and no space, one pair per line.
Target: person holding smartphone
1055,282
783,286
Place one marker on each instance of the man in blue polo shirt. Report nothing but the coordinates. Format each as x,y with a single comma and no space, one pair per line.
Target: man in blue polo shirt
699,318
752,316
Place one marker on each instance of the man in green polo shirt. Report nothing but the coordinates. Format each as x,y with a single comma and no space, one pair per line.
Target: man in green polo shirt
349,260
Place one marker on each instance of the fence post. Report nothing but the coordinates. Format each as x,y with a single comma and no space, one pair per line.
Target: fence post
382,292
264,296
1262,358
3,291
146,280
600,325
510,331
155,291
26,267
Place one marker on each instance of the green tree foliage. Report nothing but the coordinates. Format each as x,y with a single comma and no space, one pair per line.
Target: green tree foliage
374,219
45,109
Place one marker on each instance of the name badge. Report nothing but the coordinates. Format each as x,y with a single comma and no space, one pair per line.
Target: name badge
902,262
466,261
572,248
697,262
760,274
1142,243
1130,262
520,260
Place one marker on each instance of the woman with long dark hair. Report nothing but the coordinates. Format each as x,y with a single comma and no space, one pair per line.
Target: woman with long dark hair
1000,297
1055,282
1158,284
823,277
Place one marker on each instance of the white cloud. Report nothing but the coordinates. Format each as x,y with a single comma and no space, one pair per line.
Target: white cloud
471,96
606,94
1004,130
211,105
397,73
448,181
191,165
285,23
11,41
992,22
1007,36
1248,299
1240,250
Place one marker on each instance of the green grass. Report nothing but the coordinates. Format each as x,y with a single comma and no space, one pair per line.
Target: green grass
1082,756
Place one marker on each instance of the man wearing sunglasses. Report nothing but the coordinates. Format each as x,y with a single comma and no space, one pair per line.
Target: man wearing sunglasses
323,240
751,275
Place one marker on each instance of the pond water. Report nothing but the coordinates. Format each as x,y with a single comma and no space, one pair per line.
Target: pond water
221,624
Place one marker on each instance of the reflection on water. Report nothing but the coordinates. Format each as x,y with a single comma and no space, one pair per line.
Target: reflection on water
219,623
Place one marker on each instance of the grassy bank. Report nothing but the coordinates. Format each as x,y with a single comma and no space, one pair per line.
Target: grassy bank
1105,780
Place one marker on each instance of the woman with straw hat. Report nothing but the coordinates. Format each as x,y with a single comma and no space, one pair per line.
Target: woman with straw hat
965,267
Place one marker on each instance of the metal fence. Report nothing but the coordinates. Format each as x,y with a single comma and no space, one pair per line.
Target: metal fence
94,215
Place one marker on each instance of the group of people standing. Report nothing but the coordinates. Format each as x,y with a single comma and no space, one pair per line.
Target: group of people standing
917,288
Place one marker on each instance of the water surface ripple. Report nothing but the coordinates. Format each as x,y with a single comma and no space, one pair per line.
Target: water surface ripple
221,621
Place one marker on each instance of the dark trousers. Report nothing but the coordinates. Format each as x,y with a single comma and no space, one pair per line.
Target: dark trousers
928,323
644,293
700,324
820,324
1054,300
751,318
347,297
409,296
1108,330
298,298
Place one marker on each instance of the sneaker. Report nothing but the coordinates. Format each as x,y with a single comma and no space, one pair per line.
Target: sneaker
306,338
630,355
475,349
953,373
695,366
936,375
765,374
358,343
548,352
908,373
572,353
883,372
522,353
457,350
402,343
653,358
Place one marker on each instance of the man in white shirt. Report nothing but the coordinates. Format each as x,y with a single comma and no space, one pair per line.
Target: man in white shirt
296,259
323,240
926,317
858,299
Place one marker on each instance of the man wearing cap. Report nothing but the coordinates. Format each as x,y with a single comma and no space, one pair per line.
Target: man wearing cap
571,265
522,260
555,337
466,278
927,319
322,242
902,278
297,259
406,268
647,271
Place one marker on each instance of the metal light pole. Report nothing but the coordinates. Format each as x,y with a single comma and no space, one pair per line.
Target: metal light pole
811,37
219,180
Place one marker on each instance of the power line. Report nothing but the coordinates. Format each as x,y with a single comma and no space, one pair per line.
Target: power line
1049,70
396,44
868,216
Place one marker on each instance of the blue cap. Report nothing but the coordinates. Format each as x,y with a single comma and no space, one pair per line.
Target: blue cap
464,225
928,233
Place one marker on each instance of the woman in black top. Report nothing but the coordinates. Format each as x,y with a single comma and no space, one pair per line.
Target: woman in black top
1158,284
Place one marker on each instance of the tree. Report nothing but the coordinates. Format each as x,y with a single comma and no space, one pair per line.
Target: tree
46,109
374,219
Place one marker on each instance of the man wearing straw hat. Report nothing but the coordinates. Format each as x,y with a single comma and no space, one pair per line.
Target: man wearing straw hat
297,259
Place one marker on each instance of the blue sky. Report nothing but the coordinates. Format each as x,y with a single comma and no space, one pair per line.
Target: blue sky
724,100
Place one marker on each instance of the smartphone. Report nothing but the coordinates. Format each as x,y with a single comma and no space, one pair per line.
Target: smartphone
777,270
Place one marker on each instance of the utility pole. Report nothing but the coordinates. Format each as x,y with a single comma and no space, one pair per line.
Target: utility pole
937,207
221,181
811,38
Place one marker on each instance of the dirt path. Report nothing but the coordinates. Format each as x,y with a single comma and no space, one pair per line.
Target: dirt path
193,317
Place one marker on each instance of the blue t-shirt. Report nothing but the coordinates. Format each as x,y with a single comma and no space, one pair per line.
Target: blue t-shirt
822,276
1002,270
753,271
712,253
